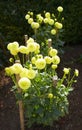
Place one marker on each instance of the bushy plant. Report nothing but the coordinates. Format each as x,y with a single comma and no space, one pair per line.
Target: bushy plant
43,93
47,25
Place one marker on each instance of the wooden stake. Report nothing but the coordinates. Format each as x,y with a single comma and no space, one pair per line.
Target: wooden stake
49,43
26,38
21,109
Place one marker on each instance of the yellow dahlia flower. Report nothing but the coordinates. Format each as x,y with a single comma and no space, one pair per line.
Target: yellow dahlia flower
53,31
48,59
53,52
31,47
35,25
56,59
24,83
40,63
23,50
51,22
31,74
66,70
13,48
17,68
23,73
27,16
47,15
58,25
29,40
60,8
9,71
45,20
30,20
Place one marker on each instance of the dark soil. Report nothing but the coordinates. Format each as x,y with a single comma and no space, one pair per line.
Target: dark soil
9,114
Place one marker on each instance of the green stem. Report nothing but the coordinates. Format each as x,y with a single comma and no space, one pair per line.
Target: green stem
71,81
62,80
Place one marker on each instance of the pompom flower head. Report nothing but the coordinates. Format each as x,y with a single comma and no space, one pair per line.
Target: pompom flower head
56,59
31,47
31,74
17,68
58,25
24,83
23,50
13,48
60,8
53,31
48,59
35,25
23,73
40,63
53,52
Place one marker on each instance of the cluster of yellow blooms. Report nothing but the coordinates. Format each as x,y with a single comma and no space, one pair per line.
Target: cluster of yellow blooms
37,61
48,19
32,46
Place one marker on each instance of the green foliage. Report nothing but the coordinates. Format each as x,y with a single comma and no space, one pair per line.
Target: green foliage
41,109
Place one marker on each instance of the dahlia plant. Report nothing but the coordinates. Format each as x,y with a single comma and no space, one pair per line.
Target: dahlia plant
47,25
43,93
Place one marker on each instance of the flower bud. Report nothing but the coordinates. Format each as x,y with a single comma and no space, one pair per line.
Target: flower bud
54,66
50,95
66,70
76,72
33,60
11,60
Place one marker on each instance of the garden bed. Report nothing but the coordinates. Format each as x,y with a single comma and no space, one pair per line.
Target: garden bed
9,115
